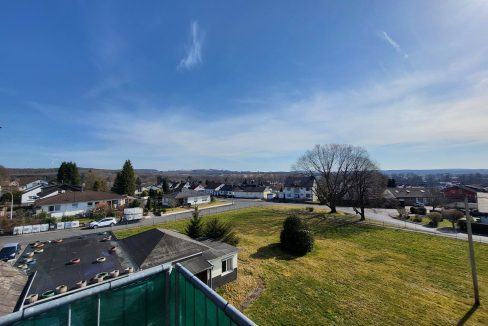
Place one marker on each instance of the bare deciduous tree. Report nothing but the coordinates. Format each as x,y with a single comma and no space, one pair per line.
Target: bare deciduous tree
339,170
438,199
368,183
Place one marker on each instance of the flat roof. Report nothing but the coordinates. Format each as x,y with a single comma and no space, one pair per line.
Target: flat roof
12,283
53,267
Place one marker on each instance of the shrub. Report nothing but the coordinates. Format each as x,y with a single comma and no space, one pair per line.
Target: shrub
294,238
42,215
418,210
309,209
416,218
292,223
452,215
217,230
435,218
49,220
67,219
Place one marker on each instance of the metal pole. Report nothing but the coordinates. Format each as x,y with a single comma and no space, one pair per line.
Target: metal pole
471,254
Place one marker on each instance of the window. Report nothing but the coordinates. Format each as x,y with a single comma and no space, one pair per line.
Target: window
308,189
227,265
308,196
297,195
90,203
51,208
74,205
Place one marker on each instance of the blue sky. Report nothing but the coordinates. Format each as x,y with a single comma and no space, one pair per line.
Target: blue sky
242,85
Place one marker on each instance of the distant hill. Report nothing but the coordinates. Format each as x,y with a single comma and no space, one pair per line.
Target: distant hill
51,172
437,171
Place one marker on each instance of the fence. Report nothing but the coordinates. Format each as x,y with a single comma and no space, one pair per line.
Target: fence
156,296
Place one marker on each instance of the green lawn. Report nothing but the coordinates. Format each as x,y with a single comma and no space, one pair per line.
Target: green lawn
357,274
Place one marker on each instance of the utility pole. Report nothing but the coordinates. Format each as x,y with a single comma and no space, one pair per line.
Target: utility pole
471,254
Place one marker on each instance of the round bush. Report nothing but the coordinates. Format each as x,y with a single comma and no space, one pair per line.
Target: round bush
292,223
435,218
294,238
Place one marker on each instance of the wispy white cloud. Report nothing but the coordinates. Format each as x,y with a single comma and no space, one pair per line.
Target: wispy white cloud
394,44
395,112
193,49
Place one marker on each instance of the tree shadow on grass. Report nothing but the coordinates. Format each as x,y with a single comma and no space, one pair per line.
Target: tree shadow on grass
273,250
468,315
338,226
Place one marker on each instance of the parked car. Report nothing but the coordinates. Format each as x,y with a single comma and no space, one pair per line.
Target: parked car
9,252
107,221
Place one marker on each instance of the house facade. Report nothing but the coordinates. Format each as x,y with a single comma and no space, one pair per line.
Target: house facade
410,196
300,189
29,196
186,198
458,192
213,262
252,192
71,203
212,188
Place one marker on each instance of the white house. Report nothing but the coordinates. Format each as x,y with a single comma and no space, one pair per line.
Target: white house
300,189
213,262
30,195
213,188
186,198
72,203
33,184
252,192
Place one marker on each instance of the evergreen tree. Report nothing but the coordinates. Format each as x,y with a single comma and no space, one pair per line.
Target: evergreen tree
68,173
125,181
165,186
194,229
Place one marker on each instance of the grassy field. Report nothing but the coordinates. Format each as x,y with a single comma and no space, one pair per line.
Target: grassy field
356,274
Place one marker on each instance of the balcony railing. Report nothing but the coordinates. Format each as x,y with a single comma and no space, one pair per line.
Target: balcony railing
161,295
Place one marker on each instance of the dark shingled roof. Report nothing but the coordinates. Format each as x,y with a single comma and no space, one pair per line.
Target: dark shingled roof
227,188
212,185
12,283
190,193
159,246
50,189
196,265
78,196
417,192
156,247
301,182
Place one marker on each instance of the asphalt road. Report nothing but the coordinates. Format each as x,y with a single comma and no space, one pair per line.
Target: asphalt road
377,216
51,235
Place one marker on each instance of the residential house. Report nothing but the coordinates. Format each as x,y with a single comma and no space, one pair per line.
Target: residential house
227,190
72,203
212,188
458,192
29,196
213,262
185,198
410,196
256,192
39,191
197,187
31,182
300,189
